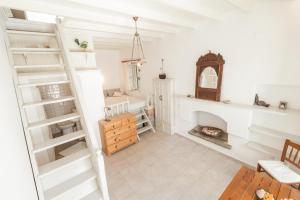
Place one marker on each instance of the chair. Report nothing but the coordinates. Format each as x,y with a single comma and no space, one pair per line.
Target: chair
279,170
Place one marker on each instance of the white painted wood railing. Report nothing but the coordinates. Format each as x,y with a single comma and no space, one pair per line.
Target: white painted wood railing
119,108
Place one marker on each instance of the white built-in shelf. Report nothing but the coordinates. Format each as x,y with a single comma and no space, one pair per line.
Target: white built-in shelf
270,110
70,186
16,32
38,66
58,141
56,165
275,110
35,50
53,120
264,149
25,85
273,133
49,101
81,51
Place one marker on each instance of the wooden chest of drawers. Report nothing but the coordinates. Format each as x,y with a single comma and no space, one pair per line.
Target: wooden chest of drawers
118,133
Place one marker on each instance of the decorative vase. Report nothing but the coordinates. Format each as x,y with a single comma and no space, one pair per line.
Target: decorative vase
162,75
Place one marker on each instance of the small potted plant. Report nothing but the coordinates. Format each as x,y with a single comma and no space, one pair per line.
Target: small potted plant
83,45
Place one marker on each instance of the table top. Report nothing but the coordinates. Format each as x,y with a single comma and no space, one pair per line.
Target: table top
247,181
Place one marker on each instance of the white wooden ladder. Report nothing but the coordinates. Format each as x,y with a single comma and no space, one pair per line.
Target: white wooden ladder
79,175
143,122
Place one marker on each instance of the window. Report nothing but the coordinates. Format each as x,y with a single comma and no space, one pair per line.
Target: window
133,77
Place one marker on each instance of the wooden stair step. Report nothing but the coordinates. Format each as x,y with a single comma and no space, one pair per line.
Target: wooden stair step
43,74
31,33
43,83
139,115
49,101
35,50
58,141
53,120
141,122
93,196
144,129
38,66
56,165
68,186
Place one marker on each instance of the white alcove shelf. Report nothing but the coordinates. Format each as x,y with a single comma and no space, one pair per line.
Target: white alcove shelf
83,59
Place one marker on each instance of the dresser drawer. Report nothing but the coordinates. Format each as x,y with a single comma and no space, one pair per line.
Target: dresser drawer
112,125
121,144
128,120
113,133
127,142
129,127
125,135
120,135
112,148
113,140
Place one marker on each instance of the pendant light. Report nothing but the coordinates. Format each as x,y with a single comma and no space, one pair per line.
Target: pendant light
137,45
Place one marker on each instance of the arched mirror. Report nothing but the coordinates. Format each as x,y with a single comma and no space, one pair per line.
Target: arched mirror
209,77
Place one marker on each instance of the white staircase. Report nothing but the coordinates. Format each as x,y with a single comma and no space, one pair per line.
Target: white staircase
143,122
76,176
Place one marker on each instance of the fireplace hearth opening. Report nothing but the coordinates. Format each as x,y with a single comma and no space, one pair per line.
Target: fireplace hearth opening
211,128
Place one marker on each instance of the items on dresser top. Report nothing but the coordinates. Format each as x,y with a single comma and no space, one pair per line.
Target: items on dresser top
118,133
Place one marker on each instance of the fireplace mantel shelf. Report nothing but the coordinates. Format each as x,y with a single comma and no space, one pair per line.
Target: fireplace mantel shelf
271,109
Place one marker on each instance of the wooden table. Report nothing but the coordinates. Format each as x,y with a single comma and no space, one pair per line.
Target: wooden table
246,181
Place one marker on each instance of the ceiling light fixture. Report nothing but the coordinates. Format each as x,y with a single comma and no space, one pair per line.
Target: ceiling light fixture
136,42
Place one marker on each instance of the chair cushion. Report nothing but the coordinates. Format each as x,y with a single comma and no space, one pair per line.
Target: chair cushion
280,171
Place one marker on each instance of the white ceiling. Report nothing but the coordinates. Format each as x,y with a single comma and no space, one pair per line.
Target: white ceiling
111,20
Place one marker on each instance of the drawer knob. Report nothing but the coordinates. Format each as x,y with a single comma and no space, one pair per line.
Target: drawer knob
116,146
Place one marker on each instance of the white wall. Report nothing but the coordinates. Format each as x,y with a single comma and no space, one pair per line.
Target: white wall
259,47
16,179
110,64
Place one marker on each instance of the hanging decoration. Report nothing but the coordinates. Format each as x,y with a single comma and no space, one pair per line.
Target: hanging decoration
137,46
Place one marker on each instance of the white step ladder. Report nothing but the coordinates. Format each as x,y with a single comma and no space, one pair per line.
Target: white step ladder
79,175
143,122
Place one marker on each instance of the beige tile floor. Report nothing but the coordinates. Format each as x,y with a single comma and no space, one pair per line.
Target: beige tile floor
163,167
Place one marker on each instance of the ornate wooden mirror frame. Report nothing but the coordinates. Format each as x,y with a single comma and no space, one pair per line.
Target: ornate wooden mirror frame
216,62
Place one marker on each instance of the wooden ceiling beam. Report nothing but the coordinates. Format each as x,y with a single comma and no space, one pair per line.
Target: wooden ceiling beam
192,8
147,10
91,26
107,35
244,5
154,18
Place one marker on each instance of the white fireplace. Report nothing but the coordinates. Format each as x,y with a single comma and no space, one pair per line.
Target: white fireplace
209,119
235,119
